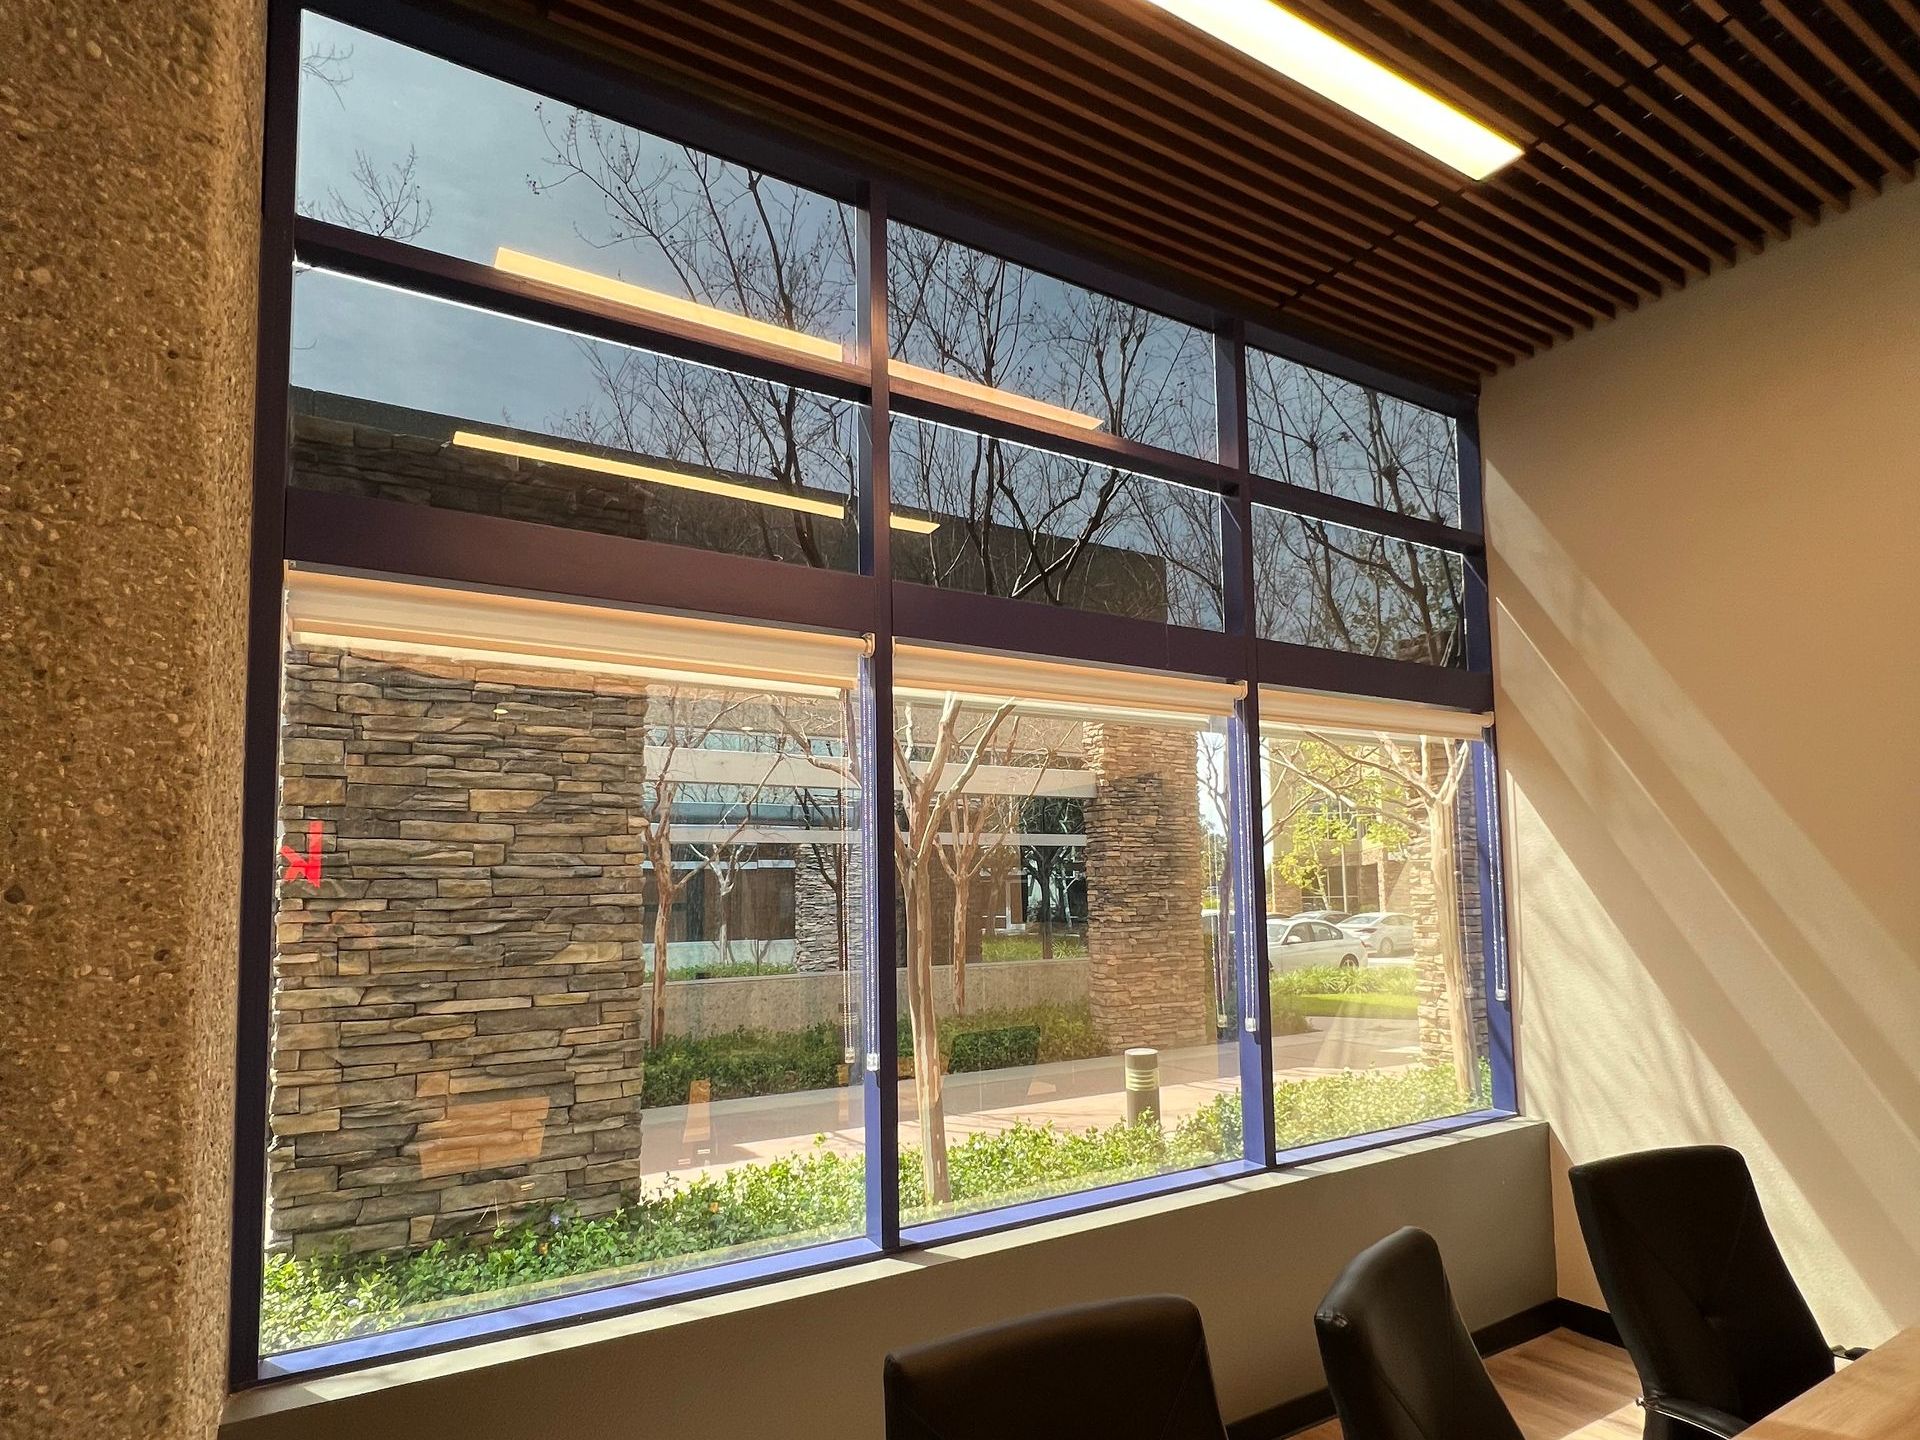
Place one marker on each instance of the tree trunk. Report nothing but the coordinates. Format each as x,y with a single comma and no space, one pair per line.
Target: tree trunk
925,1023
962,927
657,1031
1446,904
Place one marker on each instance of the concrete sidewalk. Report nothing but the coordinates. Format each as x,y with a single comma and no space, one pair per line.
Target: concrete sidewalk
692,1140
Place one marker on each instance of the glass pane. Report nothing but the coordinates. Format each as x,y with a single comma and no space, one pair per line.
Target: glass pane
961,312
402,397
566,983
1314,430
398,143
975,513
1342,589
1067,996
1374,931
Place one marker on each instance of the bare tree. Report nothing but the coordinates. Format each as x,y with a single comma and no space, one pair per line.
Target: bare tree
1412,783
975,846
385,202
1050,869
741,242
693,718
928,792
1324,584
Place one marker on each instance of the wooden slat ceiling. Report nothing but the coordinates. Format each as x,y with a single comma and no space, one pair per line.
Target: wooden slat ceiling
1662,140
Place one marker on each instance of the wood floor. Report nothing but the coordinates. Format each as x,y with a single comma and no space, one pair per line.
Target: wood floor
1561,1387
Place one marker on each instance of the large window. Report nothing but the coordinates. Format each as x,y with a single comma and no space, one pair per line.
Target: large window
655,881
1376,919
1069,977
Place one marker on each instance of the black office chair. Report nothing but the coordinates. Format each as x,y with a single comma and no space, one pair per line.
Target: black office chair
1113,1371
1399,1360
1720,1334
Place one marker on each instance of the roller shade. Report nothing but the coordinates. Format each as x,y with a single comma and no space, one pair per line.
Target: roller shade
324,608
1080,691
1315,711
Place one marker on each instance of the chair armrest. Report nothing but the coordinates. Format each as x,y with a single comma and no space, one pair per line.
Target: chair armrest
1853,1352
1689,1412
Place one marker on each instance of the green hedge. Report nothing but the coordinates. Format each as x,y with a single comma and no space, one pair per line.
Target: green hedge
809,1197
744,1063
1346,980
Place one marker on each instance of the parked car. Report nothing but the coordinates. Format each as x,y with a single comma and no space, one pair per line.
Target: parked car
1385,932
1332,917
1296,942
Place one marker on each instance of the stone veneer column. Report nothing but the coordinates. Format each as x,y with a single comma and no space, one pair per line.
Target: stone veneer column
820,912
1146,946
129,163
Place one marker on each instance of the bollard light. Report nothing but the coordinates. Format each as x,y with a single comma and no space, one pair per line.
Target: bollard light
1143,1084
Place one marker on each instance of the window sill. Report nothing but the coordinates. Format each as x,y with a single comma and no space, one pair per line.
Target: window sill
404,1357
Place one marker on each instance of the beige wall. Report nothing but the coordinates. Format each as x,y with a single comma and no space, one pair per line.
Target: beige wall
1705,530
801,1359
129,217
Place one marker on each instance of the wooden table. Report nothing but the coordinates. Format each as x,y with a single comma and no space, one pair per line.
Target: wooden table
1875,1398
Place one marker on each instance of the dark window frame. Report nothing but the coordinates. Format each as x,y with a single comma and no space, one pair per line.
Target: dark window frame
366,534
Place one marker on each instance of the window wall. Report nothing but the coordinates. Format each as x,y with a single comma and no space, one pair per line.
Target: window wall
652,494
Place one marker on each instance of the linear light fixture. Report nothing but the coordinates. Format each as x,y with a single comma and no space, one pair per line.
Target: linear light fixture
1310,56
677,479
652,474
711,317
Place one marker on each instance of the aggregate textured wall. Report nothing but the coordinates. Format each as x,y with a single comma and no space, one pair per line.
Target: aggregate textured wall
129,167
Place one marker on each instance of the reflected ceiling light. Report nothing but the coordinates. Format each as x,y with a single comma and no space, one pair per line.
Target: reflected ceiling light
991,395
652,474
655,302
678,479
1310,56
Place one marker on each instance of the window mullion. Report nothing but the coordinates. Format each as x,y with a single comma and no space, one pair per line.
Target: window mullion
1247,905
880,1065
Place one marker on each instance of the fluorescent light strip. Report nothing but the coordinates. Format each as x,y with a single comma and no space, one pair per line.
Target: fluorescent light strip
678,479
652,474
605,287
1310,56
654,302
992,395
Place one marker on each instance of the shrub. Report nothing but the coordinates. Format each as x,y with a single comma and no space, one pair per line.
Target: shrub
1000,1048
812,1196
741,1063
1286,1020
1346,980
1067,945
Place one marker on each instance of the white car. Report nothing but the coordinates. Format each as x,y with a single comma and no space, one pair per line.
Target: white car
1297,943
1383,932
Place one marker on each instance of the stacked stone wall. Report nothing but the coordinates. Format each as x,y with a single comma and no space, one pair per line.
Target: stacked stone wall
459,1003
1146,943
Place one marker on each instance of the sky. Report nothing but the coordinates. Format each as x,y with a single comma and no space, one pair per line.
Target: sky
476,142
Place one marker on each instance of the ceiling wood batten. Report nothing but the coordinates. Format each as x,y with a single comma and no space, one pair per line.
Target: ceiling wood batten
1663,139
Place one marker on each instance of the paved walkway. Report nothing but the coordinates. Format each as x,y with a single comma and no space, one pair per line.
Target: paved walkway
689,1140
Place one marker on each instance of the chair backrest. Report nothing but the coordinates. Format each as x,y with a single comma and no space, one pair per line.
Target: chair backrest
1399,1360
1110,1371
1704,1302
